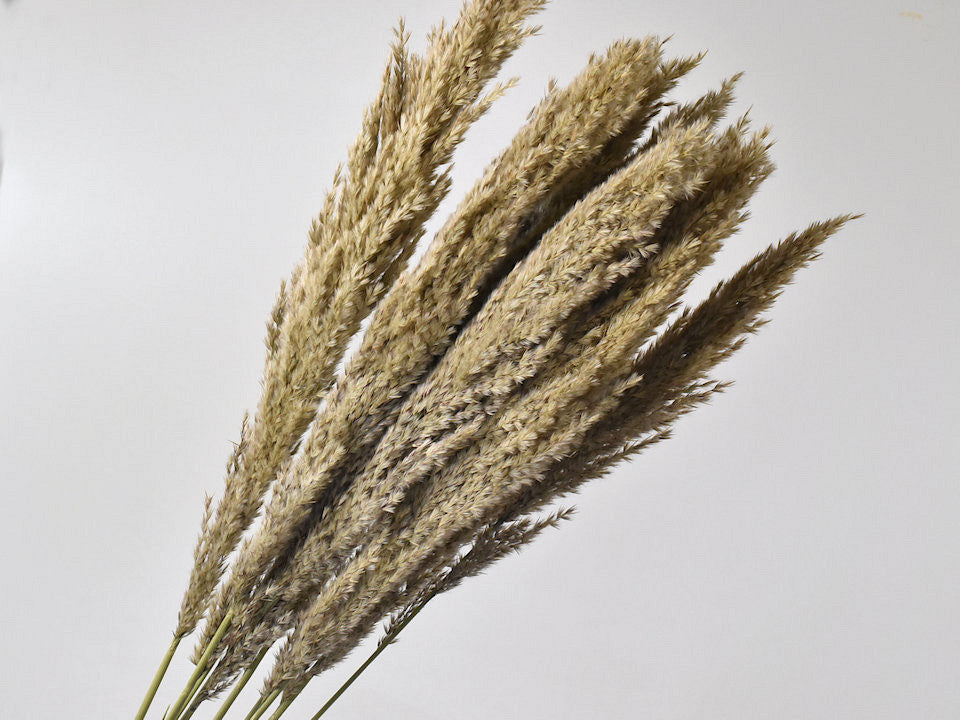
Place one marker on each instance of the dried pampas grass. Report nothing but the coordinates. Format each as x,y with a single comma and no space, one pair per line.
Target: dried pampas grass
539,341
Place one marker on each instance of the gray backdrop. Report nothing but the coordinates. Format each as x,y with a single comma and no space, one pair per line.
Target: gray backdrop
792,553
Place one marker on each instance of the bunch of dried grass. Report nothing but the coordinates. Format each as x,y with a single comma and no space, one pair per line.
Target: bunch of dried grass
536,344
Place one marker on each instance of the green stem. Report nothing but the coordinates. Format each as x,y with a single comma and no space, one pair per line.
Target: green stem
282,708
241,683
202,683
262,705
157,678
201,667
366,663
189,708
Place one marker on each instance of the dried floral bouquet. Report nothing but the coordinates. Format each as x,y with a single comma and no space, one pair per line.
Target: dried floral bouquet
539,341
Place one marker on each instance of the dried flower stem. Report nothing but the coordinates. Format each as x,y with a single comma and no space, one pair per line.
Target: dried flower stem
282,707
158,678
381,646
198,684
201,668
262,705
239,686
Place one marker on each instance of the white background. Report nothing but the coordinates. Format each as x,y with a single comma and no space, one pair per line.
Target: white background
793,552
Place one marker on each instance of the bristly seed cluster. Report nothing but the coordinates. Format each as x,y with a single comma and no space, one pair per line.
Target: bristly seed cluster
539,341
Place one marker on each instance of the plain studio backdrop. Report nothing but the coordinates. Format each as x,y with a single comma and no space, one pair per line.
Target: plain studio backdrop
794,551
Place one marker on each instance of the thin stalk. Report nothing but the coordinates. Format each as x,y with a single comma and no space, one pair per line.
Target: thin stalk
238,687
366,663
189,708
157,678
262,705
201,681
198,671
282,708
256,706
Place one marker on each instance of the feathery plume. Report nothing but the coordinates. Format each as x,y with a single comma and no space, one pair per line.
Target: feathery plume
539,341
398,172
